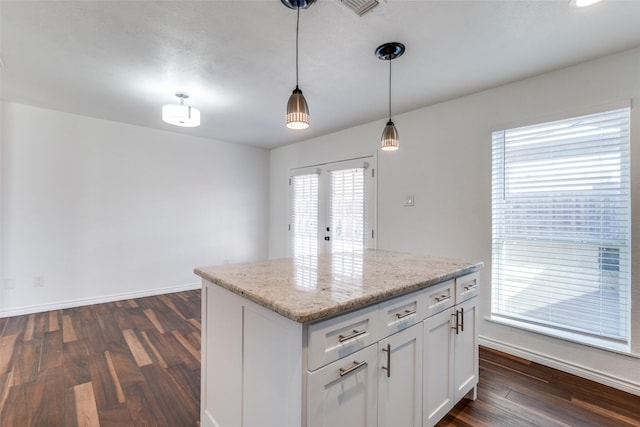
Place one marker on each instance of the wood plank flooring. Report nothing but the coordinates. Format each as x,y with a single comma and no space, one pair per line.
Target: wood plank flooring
137,363
514,392
126,363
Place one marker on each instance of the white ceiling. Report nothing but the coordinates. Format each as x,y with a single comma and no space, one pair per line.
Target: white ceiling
122,60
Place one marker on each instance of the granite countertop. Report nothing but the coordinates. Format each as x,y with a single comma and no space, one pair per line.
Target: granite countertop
310,288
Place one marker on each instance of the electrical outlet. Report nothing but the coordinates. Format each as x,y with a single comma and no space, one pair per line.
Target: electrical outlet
9,283
408,200
38,282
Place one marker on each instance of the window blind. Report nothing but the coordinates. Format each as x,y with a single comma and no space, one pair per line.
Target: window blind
561,258
304,214
347,209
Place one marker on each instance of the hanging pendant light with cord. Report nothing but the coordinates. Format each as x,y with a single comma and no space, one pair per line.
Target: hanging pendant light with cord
390,141
297,108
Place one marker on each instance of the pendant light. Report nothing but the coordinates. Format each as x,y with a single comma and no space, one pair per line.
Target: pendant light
297,109
180,114
390,140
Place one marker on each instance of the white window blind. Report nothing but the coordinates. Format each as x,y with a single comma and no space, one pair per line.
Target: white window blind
347,210
304,214
561,261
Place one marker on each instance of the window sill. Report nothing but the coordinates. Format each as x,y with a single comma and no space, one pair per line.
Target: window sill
600,343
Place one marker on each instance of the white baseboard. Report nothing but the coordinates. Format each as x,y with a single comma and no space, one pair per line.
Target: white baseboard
562,365
97,300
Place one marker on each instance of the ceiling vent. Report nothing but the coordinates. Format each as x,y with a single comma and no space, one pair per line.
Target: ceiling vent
360,7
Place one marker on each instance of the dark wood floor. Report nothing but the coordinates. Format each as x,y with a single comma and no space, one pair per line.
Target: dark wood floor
514,392
137,363
127,363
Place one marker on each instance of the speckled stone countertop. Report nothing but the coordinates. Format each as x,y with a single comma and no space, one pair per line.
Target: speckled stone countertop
306,289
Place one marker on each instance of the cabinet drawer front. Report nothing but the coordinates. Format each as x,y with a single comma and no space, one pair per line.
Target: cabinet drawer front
440,297
467,287
401,312
344,393
335,338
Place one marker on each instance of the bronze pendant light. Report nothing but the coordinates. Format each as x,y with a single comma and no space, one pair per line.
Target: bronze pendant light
390,141
297,108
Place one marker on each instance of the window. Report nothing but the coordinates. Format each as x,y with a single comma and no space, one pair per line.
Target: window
561,251
304,213
347,209
331,207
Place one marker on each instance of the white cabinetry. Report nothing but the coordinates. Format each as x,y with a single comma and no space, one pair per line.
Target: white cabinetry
344,392
451,353
438,367
400,378
400,362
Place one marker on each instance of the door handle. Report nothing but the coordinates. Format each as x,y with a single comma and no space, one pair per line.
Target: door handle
455,322
388,367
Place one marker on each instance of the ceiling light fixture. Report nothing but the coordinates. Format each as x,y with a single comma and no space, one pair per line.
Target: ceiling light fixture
297,108
180,114
390,141
583,3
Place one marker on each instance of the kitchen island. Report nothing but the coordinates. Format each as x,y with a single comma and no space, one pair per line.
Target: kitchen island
356,339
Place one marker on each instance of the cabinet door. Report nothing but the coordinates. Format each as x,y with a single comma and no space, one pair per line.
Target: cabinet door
438,385
466,349
400,379
221,357
343,393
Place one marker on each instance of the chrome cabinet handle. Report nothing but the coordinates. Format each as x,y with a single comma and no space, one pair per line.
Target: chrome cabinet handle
405,314
355,333
456,322
388,367
355,366
459,323
470,287
442,298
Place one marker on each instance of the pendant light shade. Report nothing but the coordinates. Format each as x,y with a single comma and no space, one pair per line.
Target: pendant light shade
180,114
298,4
390,141
297,111
297,108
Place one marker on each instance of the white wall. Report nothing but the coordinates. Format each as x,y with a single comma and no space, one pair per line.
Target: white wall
103,210
445,162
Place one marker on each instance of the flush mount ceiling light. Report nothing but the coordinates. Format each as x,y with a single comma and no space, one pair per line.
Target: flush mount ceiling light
180,114
582,3
297,108
390,140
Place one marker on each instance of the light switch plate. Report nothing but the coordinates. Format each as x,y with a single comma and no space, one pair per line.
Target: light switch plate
408,200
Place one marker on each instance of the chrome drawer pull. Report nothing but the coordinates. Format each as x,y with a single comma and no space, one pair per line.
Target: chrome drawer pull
355,366
442,298
356,333
405,314
470,287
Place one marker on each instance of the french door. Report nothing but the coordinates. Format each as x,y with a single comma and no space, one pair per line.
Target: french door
332,208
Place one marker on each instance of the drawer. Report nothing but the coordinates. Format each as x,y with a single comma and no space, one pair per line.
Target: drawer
344,393
401,312
334,338
467,287
440,297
